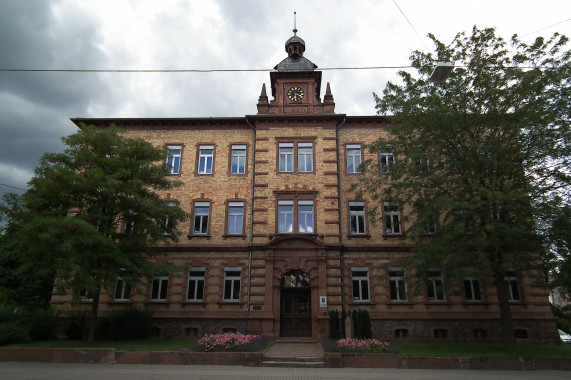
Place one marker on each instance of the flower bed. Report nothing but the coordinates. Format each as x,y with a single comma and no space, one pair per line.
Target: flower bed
362,345
230,342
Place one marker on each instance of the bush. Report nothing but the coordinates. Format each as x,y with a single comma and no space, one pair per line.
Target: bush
230,342
334,330
127,324
362,345
9,314
42,324
76,325
362,322
12,332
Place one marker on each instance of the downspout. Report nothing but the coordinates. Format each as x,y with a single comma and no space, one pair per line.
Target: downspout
251,225
341,248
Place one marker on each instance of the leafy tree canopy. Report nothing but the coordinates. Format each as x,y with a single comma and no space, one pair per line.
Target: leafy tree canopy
476,156
92,212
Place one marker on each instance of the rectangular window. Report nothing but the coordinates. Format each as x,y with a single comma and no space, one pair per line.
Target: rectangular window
173,158
201,216
305,157
165,225
235,218
387,159
159,288
286,157
238,159
357,217
353,158
514,294
205,159
392,218
431,224
195,291
232,281
122,290
435,288
305,216
285,216
397,284
360,280
472,289
129,223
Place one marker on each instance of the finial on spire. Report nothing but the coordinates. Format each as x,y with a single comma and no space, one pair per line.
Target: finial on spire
294,24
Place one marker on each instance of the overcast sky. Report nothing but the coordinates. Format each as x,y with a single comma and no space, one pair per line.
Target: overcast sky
35,107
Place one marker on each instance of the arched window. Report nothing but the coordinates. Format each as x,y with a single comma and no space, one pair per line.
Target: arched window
295,279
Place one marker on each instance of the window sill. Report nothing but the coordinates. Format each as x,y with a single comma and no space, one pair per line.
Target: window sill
231,236
428,303
390,236
200,236
157,302
398,303
201,304
296,234
360,303
358,236
225,303
118,302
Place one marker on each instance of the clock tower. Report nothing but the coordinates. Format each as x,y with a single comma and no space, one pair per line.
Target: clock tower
296,85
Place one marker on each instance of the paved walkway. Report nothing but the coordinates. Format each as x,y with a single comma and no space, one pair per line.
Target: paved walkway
294,349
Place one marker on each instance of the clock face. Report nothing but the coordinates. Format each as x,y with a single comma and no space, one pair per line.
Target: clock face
295,94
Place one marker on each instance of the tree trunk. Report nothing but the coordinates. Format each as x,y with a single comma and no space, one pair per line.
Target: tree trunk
506,322
93,319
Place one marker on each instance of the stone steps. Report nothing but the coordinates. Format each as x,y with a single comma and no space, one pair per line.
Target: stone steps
294,353
293,362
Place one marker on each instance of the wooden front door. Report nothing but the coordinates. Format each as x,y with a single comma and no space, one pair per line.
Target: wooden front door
295,313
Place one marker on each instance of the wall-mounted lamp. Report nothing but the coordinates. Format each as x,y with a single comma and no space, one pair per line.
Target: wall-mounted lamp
441,71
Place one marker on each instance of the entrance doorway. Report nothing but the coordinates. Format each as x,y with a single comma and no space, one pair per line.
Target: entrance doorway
295,305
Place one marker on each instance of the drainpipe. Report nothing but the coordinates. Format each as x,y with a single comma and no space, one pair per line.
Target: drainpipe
251,225
341,261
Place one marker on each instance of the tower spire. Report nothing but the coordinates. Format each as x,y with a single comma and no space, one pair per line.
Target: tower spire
295,23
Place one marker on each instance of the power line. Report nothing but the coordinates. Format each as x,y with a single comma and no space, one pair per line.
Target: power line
412,26
13,187
186,70
547,27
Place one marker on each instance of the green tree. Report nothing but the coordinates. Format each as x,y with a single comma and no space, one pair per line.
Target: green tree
476,156
92,213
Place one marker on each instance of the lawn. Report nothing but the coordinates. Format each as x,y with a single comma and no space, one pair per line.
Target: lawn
442,349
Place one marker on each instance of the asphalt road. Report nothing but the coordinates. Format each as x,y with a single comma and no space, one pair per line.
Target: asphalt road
45,371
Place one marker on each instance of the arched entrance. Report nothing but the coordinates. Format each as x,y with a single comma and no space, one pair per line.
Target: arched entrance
295,305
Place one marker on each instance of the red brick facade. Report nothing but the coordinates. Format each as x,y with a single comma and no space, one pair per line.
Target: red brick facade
305,245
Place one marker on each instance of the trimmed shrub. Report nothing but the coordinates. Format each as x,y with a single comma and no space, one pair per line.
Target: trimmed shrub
127,324
76,326
12,332
42,324
334,331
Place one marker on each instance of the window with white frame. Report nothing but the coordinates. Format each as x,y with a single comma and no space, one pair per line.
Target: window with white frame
353,158
285,216
305,216
430,224
285,157
472,289
159,287
165,224
195,288
397,284
122,290
173,158
392,218
238,159
232,283
387,159
514,294
205,159
304,157
201,218
435,286
357,218
129,222
235,218
360,280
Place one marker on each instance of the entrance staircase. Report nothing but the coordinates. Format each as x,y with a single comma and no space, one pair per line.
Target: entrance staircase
294,352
